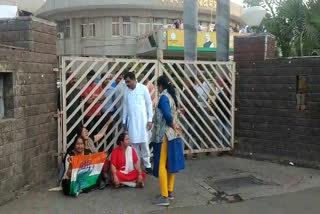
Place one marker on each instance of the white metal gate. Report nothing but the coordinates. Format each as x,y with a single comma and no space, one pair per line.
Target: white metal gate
206,99
205,91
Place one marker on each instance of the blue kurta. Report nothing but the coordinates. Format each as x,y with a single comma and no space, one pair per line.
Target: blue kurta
175,148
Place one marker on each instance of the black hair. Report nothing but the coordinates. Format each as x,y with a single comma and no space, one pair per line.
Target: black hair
75,141
79,129
193,80
91,73
121,138
164,82
71,147
148,77
130,75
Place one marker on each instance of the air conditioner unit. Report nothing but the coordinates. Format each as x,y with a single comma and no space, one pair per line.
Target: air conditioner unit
60,35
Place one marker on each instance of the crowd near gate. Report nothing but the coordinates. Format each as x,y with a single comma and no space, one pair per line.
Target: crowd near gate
205,92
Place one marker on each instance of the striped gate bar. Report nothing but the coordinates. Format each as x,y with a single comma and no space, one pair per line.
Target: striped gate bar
87,107
206,95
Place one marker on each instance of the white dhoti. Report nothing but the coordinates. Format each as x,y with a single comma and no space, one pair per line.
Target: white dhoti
143,153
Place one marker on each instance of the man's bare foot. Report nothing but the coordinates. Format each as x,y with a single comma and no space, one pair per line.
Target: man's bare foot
140,185
116,185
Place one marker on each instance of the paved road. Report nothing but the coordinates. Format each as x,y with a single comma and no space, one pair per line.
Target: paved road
192,191
306,202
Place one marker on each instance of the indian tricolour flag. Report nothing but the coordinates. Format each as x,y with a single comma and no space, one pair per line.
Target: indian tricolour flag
85,171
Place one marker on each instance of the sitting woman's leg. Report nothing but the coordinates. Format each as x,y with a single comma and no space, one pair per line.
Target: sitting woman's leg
130,179
105,171
65,184
131,176
103,180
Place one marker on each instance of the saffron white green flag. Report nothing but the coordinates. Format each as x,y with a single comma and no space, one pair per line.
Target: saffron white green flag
85,171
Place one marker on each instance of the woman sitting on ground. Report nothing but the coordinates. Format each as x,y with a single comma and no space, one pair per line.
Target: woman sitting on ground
125,166
76,149
89,143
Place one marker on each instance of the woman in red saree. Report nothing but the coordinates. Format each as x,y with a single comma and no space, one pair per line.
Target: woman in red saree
125,166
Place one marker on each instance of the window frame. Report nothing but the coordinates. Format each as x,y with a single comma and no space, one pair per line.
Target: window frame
67,32
144,27
7,95
92,29
64,27
117,25
83,30
127,25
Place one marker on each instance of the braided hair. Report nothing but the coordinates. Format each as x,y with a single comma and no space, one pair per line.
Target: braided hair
164,82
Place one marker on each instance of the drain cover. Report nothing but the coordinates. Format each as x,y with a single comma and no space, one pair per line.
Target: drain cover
231,184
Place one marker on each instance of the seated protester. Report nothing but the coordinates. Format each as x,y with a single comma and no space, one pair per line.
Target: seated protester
125,166
76,149
91,141
89,144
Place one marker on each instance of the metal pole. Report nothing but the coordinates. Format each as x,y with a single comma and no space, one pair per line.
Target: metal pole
223,23
190,23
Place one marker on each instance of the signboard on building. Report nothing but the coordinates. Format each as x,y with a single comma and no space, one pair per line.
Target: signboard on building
206,41
201,3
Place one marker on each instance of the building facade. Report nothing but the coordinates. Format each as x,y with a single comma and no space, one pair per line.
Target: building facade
122,27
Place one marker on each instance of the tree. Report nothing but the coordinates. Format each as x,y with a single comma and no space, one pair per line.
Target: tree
302,18
312,27
269,5
295,23
273,23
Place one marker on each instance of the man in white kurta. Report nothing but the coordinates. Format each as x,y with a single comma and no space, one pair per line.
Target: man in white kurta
137,117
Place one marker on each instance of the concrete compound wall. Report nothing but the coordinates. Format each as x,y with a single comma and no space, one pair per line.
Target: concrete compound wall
28,132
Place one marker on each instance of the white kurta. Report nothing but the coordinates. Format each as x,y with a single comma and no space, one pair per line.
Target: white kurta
137,112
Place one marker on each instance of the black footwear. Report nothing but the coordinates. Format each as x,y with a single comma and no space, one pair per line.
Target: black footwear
170,196
149,171
101,184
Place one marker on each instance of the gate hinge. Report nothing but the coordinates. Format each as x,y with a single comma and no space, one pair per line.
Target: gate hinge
235,109
56,70
58,115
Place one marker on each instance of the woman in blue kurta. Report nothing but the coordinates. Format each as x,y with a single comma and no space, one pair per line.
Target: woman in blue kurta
168,149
